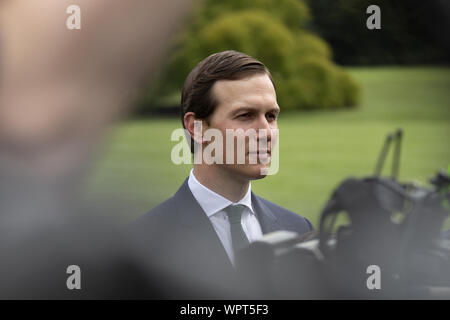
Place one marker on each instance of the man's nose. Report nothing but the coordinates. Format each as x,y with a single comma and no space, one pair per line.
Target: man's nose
264,128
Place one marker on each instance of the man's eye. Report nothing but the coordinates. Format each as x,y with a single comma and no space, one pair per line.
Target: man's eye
271,116
245,115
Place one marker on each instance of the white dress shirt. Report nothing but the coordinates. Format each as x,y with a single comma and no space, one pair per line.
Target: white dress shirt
214,204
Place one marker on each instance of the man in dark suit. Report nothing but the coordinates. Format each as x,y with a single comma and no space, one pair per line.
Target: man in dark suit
194,235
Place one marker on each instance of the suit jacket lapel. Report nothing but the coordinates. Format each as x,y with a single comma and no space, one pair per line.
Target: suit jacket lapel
198,226
266,218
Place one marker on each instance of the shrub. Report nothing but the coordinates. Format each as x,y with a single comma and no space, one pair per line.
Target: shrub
300,62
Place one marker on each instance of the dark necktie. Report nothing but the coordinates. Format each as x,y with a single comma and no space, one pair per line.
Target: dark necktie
238,236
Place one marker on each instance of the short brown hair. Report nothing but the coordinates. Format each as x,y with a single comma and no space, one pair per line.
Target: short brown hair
226,65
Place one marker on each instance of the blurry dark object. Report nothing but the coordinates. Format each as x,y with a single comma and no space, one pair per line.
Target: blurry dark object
395,226
412,31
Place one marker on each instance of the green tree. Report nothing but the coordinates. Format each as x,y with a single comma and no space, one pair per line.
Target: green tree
273,31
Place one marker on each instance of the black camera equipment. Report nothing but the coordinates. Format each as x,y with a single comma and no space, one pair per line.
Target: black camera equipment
392,245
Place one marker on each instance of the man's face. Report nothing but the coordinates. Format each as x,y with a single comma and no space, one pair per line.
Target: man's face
249,103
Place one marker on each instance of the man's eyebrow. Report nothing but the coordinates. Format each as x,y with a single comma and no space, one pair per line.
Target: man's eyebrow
253,109
275,109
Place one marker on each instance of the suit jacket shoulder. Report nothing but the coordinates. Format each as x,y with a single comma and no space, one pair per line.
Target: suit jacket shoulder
274,217
290,217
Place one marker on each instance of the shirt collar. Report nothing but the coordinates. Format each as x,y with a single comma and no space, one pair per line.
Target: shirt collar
212,202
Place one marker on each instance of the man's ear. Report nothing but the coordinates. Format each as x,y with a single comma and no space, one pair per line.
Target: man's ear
194,126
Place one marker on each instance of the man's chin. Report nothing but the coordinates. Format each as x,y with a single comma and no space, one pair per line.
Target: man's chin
256,171
249,171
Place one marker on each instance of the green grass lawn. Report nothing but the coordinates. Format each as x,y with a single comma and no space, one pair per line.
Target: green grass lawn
317,150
